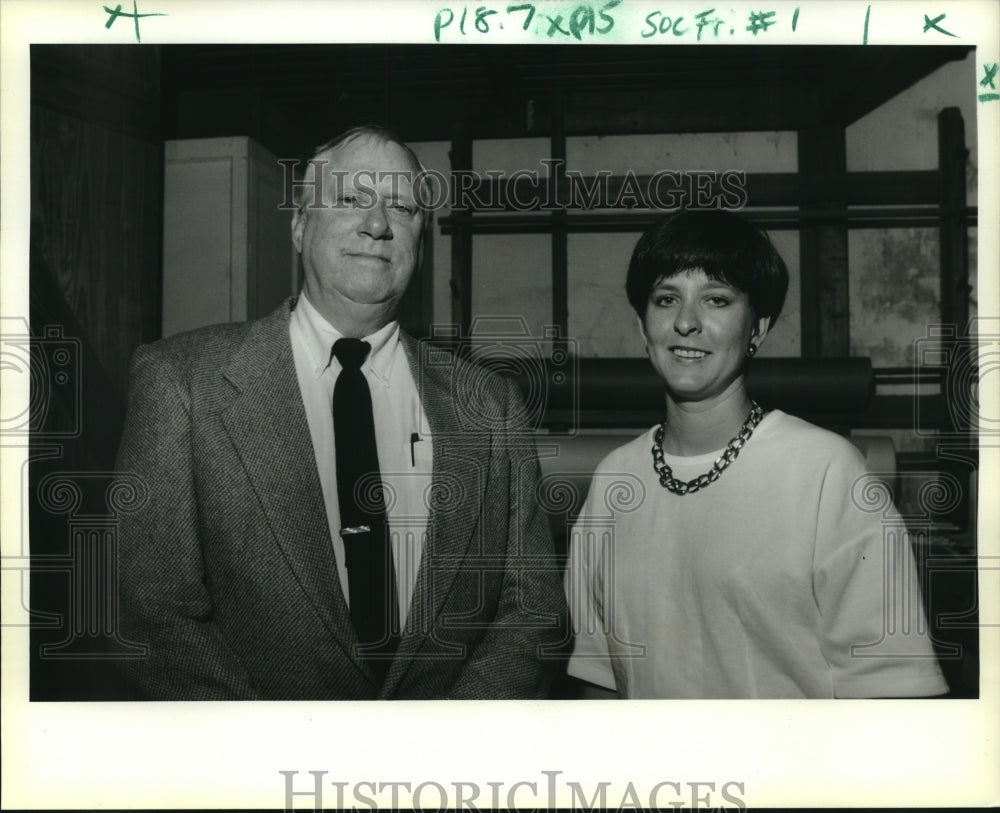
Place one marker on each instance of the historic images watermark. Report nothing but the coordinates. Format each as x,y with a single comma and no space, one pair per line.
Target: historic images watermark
89,502
545,367
547,791
525,190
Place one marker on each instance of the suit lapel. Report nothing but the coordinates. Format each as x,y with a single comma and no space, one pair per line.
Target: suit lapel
458,482
267,424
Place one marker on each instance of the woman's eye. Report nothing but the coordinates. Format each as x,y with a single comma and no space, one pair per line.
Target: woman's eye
664,300
718,301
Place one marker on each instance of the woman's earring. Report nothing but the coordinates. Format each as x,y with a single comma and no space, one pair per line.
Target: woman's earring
751,350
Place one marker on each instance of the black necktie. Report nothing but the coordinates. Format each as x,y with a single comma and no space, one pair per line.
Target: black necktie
371,578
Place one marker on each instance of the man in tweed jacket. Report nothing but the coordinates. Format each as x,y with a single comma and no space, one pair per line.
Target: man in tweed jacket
229,573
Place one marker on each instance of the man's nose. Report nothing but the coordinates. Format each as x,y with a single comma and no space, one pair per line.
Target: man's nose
375,222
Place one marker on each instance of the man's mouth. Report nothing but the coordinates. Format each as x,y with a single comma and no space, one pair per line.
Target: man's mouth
688,353
366,255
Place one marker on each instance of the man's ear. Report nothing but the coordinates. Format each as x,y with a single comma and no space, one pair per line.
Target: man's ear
298,227
424,243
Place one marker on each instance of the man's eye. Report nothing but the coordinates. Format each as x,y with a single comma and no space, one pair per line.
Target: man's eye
718,301
664,300
403,208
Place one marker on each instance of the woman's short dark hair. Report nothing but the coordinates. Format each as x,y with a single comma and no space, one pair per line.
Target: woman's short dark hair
726,246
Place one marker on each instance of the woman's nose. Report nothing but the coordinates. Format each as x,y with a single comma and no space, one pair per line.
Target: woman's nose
687,320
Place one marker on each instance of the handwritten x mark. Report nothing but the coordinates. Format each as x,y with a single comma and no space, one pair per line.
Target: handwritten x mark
990,75
929,24
117,12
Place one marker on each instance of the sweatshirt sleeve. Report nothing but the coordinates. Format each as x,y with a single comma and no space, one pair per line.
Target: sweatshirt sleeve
874,632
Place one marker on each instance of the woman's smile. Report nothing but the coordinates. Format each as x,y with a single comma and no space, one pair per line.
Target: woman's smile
689,353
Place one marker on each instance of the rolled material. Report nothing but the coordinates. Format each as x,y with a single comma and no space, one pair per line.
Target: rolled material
577,456
880,454
824,386
812,385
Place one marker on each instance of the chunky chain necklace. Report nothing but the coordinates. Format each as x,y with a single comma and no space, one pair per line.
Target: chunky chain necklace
675,486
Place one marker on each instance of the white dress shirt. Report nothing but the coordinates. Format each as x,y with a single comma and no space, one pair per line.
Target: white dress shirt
404,452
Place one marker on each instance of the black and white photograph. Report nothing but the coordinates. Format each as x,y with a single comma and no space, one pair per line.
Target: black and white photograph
533,354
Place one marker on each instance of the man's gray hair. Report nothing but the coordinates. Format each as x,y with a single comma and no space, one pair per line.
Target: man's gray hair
374,132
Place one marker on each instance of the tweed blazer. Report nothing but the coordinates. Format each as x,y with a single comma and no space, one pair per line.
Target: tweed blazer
227,571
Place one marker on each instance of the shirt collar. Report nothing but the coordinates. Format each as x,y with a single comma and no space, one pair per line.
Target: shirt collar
319,335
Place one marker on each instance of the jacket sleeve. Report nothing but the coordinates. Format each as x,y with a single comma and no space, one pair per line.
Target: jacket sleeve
583,583
164,603
525,645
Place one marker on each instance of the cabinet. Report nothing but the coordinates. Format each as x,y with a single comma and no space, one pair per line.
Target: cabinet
227,250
